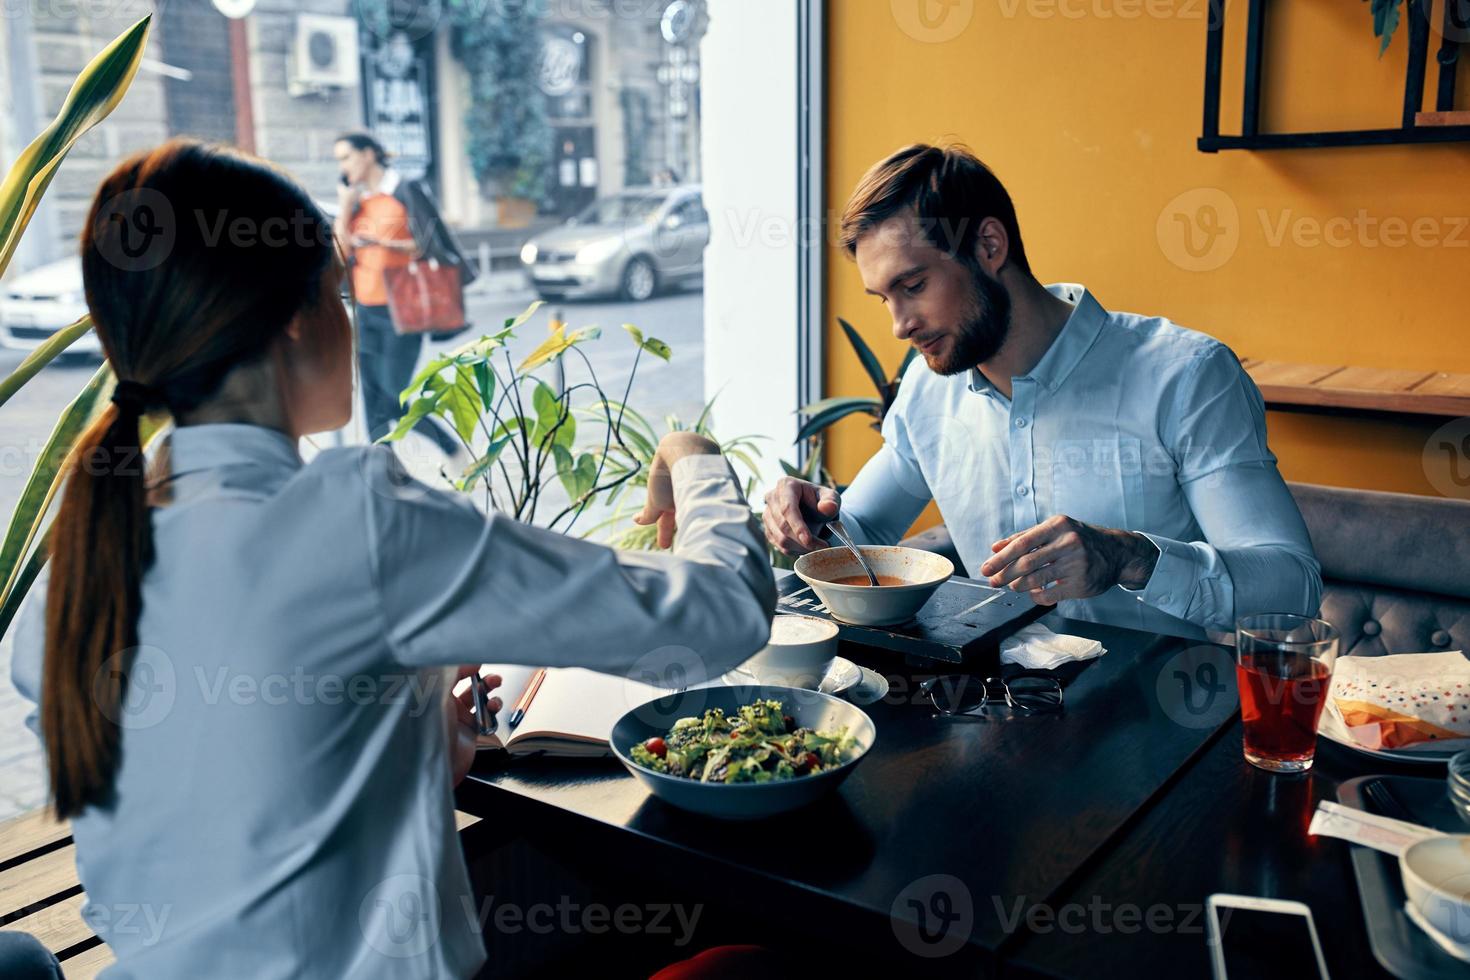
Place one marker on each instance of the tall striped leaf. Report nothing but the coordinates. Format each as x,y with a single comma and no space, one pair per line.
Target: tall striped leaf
866,355
95,93
45,481
43,355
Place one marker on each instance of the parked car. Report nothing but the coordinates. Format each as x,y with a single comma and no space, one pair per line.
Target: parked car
630,244
36,304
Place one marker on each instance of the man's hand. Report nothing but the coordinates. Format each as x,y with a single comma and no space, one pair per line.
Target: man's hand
461,722
795,511
659,506
1063,558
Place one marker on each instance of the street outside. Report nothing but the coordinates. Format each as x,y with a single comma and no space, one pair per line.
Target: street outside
660,389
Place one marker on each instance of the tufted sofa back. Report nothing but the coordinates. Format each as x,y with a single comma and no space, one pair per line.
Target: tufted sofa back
1395,568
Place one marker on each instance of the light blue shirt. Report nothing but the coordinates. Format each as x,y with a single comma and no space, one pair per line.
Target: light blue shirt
282,804
1127,422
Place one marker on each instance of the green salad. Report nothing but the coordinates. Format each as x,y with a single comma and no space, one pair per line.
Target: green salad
759,745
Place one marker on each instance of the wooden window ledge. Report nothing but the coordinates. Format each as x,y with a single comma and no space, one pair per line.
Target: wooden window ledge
1289,385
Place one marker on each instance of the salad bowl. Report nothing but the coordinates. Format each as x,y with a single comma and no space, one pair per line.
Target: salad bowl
743,800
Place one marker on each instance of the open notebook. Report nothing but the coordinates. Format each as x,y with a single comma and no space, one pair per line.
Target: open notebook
572,714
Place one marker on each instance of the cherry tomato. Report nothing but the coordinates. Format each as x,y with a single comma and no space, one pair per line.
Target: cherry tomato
656,746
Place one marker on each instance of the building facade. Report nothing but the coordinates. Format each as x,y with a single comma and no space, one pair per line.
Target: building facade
284,78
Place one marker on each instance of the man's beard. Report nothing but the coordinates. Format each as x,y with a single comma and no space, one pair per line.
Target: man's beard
983,327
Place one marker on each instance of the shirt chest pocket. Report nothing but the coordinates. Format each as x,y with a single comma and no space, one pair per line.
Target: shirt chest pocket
1099,481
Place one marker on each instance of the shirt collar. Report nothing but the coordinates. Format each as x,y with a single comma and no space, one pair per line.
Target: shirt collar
1076,338
388,184
219,444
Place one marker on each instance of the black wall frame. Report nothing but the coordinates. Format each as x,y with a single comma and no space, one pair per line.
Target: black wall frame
1456,25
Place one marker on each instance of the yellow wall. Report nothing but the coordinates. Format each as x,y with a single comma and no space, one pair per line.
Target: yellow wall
1088,110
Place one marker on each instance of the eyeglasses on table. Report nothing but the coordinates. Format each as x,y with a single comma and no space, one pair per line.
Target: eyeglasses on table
1028,692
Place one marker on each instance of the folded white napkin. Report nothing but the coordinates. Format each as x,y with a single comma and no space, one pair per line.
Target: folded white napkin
1037,648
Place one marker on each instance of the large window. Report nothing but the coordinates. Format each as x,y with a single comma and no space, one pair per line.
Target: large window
620,160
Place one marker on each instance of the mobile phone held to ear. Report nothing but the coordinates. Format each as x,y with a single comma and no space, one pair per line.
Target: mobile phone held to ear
1263,939
344,180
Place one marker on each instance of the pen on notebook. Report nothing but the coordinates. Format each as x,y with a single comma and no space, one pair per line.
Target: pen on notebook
524,701
484,720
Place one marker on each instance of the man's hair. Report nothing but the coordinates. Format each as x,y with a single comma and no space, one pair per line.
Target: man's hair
950,191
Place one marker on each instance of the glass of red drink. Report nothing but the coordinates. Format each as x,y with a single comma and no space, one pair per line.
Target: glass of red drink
1283,667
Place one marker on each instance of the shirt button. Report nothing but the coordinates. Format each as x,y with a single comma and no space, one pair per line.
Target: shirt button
1020,423
1164,597
1021,491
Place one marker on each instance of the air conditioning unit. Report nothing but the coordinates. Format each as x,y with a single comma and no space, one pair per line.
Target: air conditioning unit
323,54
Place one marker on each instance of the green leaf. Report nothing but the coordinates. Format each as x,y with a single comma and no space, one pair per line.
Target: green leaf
641,446
550,349
703,424
420,408
577,477
485,346
23,582
462,401
512,426
485,382
817,407
43,355
424,379
46,479
1385,22
96,92
653,345
548,411
903,365
823,419
512,323
478,468
866,355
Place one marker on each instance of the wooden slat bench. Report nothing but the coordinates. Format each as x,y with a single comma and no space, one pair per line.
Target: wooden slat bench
40,893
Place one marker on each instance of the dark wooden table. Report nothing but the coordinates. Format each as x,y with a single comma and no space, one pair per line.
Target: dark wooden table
1224,826
1012,812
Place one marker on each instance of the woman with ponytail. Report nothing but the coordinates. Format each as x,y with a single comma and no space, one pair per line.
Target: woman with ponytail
243,660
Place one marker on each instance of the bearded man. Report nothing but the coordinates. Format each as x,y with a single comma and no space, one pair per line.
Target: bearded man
1113,464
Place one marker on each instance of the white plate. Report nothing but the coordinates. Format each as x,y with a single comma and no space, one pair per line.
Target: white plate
1332,728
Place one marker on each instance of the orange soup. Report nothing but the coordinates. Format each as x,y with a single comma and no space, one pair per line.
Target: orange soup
861,579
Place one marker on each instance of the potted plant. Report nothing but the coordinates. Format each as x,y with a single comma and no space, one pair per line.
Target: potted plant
97,90
821,415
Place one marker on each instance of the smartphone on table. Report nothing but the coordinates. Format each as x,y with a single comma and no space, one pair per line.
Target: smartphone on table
1263,939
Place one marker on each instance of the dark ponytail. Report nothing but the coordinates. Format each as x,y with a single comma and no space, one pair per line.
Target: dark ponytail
236,250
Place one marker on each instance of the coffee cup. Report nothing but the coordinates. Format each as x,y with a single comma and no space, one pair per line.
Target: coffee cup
799,653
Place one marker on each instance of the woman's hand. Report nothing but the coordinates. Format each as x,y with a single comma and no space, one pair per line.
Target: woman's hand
659,507
461,721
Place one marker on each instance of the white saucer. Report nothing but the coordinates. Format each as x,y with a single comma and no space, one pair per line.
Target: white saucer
858,684
843,679
842,676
